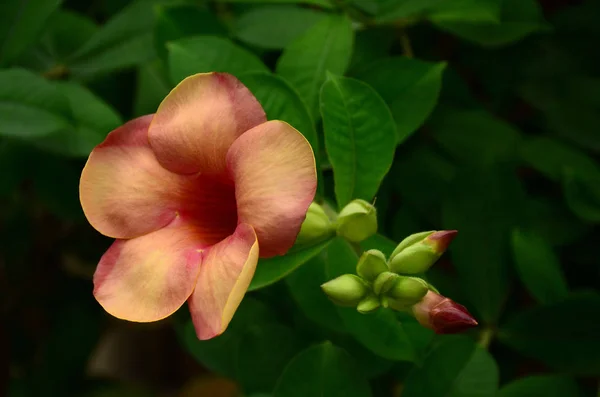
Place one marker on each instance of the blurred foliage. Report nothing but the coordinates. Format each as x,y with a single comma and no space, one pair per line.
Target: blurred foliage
476,115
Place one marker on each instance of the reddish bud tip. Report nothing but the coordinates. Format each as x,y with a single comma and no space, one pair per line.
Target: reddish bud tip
443,315
450,317
441,240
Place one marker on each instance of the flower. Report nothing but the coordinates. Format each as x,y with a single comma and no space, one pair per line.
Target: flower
193,195
442,314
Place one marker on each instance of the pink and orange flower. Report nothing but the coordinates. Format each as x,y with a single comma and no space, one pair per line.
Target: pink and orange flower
194,194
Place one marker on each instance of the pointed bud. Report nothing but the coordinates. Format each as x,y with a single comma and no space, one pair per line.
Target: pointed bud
408,290
316,226
357,221
442,314
421,251
369,304
371,264
384,282
346,290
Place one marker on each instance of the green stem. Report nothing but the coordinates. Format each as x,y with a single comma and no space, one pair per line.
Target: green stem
56,73
485,337
406,45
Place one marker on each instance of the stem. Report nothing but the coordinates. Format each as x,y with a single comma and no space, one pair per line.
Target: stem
406,46
485,337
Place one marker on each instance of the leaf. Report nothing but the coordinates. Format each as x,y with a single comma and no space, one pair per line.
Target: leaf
360,137
92,120
274,269
274,27
326,47
541,385
552,158
477,11
30,107
20,23
582,195
281,102
204,54
538,267
484,205
181,20
410,87
518,19
124,41
152,87
458,367
380,332
58,43
322,370
551,219
220,354
475,137
304,286
563,335
321,3
263,352
392,10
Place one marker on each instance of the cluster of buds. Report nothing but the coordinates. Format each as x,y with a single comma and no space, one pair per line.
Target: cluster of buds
391,283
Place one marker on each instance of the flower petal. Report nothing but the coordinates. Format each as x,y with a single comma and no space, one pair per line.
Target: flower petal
226,271
149,277
126,193
273,168
197,122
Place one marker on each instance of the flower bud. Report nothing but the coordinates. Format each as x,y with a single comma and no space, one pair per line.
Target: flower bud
442,314
384,282
418,252
371,264
408,290
357,221
369,304
316,226
346,290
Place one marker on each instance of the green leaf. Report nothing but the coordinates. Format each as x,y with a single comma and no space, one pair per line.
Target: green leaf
582,195
220,354
563,335
152,87
392,10
538,267
410,87
58,43
281,102
304,286
264,351
30,107
177,21
327,46
360,137
380,332
274,27
541,385
457,368
477,11
484,205
322,370
518,19
552,158
550,218
321,3
20,23
370,45
124,41
203,54
92,120
271,270
475,137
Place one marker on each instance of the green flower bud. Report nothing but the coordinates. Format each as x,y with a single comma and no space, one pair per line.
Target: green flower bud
346,290
384,282
357,221
316,226
416,253
408,290
371,264
369,304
